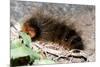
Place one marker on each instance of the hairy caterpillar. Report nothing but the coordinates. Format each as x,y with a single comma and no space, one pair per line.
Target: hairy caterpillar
48,28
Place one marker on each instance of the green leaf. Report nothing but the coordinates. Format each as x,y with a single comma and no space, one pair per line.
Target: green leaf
26,39
36,55
45,61
15,43
21,51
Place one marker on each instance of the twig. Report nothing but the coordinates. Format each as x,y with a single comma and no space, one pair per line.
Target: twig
60,54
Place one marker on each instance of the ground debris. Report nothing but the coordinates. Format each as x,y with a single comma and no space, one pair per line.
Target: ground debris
59,54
